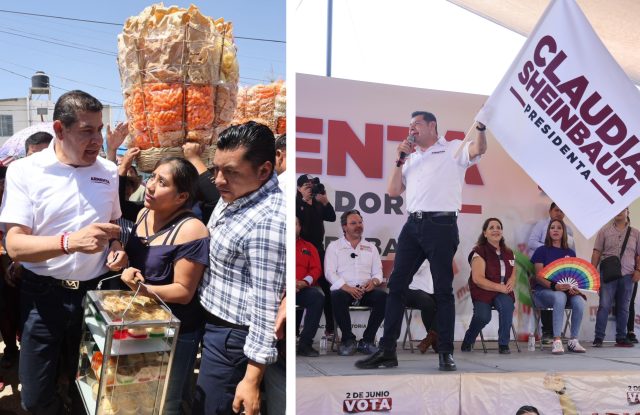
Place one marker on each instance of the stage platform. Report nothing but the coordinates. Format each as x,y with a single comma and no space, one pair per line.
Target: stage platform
606,358
602,380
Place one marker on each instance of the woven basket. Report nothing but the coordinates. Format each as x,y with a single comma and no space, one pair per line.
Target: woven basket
148,159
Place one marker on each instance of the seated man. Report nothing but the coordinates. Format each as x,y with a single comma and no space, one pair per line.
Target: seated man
308,271
354,270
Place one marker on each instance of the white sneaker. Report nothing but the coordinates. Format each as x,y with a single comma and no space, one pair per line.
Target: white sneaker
574,346
557,347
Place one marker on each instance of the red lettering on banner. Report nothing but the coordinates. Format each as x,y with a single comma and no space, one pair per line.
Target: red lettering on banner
396,133
309,126
343,141
351,406
307,145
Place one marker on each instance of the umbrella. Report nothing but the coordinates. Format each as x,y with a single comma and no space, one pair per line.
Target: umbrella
14,146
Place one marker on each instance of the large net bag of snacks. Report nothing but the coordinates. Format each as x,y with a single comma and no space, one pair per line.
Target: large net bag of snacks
266,104
179,76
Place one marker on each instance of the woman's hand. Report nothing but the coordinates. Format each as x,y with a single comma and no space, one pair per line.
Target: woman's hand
132,276
563,287
509,285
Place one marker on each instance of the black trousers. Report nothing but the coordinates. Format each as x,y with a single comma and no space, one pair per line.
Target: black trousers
435,239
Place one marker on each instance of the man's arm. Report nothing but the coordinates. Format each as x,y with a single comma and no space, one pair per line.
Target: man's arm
331,267
25,247
265,252
478,146
396,187
534,238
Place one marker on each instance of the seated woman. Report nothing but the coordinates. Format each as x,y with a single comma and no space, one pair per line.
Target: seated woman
550,294
491,283
169,250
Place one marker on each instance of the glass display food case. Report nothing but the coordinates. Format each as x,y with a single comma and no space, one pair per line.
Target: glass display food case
125,353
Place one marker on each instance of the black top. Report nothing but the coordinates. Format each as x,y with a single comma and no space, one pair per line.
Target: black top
156,262
313,216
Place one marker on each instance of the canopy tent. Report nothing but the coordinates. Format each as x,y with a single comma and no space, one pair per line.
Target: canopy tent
615,22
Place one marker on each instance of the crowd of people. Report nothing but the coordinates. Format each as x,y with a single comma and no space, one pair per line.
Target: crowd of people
349,273
210,243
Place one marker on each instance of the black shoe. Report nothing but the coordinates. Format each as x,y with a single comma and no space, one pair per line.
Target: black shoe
307,350
446,362
366,347
597,342
547,338
632,337
380,358
623,342
347,347
504,349
466,347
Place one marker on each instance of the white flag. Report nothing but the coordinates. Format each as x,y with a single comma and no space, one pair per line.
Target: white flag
569,116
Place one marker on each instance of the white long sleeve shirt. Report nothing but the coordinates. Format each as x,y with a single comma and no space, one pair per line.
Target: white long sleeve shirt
344,264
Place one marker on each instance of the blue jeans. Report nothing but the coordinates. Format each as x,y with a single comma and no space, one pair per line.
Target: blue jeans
482,316
222,367
619,290
184,361
545,297
435,239
376,299
312,300
51,318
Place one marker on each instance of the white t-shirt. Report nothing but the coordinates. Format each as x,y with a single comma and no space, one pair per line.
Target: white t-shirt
423,280
51,198
433,178
344,264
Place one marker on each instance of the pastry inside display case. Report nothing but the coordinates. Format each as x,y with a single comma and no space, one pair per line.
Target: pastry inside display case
125,353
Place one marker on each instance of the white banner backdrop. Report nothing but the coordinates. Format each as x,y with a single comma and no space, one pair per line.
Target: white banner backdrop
398,395
347,133
567,113
590,393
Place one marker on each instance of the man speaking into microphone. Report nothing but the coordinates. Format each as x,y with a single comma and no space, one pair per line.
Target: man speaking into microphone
433,177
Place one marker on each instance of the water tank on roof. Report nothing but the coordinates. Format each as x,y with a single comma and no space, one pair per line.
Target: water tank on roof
40,80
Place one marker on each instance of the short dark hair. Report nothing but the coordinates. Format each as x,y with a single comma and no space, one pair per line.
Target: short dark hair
3,172
553,205
427,116
185,176
526,409
256,138
70,103
41,137
345,215
281,142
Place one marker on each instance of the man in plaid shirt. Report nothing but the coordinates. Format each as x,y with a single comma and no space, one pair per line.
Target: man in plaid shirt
245,283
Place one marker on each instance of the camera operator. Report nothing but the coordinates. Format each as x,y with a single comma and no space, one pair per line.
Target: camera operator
312,205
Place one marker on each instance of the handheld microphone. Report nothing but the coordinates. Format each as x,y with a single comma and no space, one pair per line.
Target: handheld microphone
403,155
353,255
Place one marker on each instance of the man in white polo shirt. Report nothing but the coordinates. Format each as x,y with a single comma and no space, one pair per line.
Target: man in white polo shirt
433,177
57,207
353,267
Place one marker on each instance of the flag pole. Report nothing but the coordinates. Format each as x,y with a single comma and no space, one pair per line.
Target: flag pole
467,138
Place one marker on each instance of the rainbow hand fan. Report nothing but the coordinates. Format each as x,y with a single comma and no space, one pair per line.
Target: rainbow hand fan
575,271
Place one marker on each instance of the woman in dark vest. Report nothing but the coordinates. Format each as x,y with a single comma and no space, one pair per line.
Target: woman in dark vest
169,250
491,283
